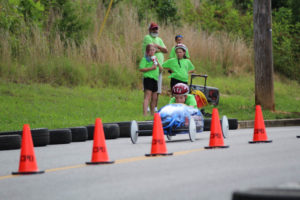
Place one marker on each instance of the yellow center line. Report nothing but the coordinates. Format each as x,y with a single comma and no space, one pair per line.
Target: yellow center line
65,168
187,152
125,160
5,177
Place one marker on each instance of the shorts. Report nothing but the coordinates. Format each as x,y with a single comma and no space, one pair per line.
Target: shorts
150,84
159,83
174,82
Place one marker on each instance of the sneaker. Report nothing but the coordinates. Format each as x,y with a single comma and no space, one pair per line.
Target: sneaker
155,109
148,109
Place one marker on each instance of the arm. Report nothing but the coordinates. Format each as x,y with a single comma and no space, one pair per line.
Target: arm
148,69
161,49
191,67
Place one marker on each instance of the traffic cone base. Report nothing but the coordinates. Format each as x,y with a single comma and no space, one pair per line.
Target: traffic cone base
216,147
24,173
99,163
159,154
265,141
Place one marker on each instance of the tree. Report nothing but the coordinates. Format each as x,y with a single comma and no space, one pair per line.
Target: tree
263,59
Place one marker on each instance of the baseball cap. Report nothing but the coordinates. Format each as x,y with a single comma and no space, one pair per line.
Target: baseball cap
153,25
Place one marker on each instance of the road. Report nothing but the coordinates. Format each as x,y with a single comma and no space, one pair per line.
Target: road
191,173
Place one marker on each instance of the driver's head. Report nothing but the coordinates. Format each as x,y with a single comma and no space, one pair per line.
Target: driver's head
180,98
180,91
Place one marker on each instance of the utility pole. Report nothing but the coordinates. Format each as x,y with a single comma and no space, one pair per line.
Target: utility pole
263,57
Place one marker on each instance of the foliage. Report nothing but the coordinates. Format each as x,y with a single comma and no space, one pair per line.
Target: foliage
165,11
72,19
286,44
73,22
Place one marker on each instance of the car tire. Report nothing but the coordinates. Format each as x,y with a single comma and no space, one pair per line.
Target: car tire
90,129
146,126
40,137
124,128
8,142
79,134
60,136
233,124
112,131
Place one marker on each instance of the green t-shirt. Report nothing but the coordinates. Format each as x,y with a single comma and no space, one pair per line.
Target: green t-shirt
148,39
173,53
180,72
149,74
190,100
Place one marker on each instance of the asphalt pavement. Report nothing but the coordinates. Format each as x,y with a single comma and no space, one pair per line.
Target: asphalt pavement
191,173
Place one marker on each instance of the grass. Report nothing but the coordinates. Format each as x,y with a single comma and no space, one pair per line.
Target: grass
42,105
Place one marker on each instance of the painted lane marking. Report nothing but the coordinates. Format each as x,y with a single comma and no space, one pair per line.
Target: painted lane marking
125,160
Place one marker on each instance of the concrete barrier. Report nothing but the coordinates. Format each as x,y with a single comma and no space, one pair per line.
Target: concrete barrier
271,123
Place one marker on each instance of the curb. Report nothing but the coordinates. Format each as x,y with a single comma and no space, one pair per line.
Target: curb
271,123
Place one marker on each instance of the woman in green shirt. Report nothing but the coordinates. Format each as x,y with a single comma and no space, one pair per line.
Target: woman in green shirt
180,67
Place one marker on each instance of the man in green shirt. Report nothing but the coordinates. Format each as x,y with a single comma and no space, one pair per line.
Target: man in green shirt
152,38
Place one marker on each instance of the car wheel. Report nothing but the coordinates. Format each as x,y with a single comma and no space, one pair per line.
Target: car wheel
134,132
225,127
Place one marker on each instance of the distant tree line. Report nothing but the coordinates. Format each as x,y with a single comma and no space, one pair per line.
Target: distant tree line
73,20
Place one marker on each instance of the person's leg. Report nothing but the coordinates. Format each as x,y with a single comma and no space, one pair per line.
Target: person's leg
153,101
147,97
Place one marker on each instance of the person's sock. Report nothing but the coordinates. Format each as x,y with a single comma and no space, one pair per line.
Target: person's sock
155,109
148,109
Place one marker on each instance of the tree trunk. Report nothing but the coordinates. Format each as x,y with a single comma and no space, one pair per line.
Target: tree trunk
263,58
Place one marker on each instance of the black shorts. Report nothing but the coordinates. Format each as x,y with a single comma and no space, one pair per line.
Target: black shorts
174,82
150,84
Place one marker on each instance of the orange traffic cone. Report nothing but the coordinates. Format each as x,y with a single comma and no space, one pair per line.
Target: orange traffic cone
260,134
216,137
27,163
158,147
99,154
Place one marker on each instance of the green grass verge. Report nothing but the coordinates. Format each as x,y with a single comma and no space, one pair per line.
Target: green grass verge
42,105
